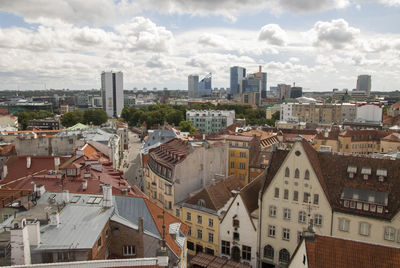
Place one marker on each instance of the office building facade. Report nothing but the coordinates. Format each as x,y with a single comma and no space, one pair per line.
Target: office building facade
112,93
236,77
193,86
364,83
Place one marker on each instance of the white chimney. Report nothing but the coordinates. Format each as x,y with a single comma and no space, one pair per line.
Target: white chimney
41,190
34,233
28,162
5,172
34,187
56,162
19,241
66,196
54,219
107,196
84,185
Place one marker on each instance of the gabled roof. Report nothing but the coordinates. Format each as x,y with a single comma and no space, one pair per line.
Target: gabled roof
331,171
216,196
171,153
249,193
394,137
166,218
330,252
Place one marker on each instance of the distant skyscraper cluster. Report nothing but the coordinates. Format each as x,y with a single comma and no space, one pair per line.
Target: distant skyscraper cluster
112,93
240,83
199,89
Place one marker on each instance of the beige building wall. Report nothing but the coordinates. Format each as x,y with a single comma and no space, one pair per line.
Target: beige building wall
301,185
389,146
376,232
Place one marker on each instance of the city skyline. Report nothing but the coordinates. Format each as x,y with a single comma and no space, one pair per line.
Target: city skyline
320,45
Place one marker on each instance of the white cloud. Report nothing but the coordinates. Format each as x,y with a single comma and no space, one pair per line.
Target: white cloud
273,34
336,33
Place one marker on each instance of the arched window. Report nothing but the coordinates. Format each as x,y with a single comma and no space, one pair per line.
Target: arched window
297,173
201,203
284,255
307,175
269,252
287,172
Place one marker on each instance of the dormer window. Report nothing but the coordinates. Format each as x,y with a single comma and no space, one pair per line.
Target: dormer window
366,171
201,203
352,170
381,173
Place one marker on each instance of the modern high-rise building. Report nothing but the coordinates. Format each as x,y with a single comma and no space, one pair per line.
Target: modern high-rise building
263,76
237,75
112,93
193,86
364,83
205,86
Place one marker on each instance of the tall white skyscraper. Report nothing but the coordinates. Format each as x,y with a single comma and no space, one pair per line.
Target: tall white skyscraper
112,93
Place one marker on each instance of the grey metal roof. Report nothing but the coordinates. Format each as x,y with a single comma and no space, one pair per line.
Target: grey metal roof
159,136
79,228
367,196
131,208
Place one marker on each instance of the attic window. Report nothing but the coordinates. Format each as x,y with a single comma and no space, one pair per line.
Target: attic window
201,203
366,171
381,173
352,170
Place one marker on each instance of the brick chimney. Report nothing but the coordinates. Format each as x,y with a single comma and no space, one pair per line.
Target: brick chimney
19,241
140,225
107,196
28,162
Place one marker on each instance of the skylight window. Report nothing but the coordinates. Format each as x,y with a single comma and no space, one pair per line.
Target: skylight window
97,200
91,200
75,199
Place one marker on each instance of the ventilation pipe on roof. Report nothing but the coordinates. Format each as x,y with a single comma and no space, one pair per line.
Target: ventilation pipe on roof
84,185
140,225
66,196
28,162
5,172
107,196
54,219
56,162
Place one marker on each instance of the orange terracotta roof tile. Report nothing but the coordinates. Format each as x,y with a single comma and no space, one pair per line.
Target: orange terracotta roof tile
330,252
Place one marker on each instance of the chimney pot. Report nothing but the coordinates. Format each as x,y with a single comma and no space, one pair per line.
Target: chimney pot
28,162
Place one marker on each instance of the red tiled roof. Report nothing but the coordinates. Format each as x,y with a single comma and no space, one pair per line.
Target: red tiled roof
210,261
394,137
396,105
158,218
7,196
330,252
170,153
216,196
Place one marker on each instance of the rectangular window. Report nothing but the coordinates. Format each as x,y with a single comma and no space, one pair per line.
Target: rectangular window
316,199
210,222
302,216
272,211
129,250
359,205
236,236
188,216
235,223
199,219
299,236
211,237
286,214
200,234
286,234
232,154
242,155
286,194
99,242
276,195
225,247
242,165
232,164
318,220
344,225
364,228
190,245
390,233
271,231
246,253
295,196
306,197
177,212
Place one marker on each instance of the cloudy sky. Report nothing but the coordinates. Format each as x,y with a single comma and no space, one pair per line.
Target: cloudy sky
319,44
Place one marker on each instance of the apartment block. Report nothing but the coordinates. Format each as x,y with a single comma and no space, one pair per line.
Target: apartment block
210,121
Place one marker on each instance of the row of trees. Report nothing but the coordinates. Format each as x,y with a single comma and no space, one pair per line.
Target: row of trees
92,117
25,116
175,114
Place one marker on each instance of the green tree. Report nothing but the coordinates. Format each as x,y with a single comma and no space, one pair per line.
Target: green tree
174,117
25,116
95,117
71,118
187,126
